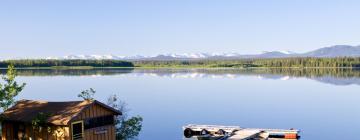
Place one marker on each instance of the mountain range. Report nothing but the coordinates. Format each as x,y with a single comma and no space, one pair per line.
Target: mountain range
333,51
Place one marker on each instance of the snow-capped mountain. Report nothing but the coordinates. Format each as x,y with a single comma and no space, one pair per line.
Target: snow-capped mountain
98,57
276,54
273,54
333,51
194,55
160,56
92,57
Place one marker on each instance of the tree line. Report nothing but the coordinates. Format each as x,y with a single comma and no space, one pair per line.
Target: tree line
349,62
64,63
268,62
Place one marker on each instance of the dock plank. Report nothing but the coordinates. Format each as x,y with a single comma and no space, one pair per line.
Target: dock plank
245,134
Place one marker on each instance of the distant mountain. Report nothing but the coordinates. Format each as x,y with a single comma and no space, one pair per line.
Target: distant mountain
276,54
92,57
333,51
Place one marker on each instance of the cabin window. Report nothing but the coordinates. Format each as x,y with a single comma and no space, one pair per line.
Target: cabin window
77,130
99,121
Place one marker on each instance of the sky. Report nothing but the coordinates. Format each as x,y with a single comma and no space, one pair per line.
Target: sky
41,28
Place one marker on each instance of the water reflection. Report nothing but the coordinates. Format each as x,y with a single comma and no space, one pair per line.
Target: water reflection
168,99
70,72
323,75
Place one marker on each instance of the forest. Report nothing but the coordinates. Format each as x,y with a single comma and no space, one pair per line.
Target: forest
340,62
349,62
27,63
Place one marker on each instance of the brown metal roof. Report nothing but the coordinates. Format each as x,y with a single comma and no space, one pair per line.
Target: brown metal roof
61,113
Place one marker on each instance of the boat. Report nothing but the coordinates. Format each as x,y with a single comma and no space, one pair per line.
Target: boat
220,132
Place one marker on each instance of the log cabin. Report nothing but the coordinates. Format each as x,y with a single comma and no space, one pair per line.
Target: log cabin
73,120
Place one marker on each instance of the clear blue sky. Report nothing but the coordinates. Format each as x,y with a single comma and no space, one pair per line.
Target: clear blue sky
39,28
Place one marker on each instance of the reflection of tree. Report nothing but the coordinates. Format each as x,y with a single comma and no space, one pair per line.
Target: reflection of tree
326,75
294,72
337,76
312,72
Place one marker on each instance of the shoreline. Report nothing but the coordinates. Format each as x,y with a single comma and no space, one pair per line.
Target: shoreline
139,67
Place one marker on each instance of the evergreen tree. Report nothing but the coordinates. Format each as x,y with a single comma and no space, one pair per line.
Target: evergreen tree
10,88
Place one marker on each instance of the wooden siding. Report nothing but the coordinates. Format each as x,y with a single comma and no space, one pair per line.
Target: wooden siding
97,111
57,132
64,132
93,111
108,135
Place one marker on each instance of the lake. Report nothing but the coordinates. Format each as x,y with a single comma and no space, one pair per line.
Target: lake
322,103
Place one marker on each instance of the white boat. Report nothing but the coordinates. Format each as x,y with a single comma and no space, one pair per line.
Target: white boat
219,132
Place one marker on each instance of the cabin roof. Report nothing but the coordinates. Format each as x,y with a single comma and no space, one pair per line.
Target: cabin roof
61,113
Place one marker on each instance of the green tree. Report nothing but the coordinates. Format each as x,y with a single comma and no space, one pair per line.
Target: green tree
40,122
10,88
87,94
126,128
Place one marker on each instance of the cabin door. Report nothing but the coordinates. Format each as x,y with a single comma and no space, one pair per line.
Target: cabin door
77,129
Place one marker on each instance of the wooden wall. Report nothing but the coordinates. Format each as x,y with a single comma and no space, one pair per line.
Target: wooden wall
57,132
97,111
7,131
64,132
108,135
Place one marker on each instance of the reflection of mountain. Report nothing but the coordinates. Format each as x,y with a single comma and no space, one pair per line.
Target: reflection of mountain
338,80
331,76
273,77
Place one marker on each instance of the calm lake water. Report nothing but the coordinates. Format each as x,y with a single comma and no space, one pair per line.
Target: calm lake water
322,103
